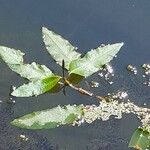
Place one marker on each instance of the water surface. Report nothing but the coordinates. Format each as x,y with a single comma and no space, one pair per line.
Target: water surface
86,23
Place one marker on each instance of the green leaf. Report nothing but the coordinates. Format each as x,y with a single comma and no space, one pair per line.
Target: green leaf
75,78
11,56
50,118
36,87
32,71
14,59
94,60
59,48
140,139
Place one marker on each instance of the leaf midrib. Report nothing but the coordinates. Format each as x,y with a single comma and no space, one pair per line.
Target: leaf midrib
89,59
59,46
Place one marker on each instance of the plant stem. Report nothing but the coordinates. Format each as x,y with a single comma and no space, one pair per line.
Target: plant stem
85,92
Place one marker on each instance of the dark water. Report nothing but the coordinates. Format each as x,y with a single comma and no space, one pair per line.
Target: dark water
86,23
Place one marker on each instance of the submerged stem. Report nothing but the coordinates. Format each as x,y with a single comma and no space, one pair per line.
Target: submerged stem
85,92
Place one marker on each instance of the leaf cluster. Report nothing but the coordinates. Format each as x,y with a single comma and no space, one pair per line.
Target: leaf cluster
42,79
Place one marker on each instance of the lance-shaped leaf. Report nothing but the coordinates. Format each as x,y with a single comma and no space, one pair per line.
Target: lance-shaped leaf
59,48
50,118
11,56
140,139
14,59
35,88
32,71
94,60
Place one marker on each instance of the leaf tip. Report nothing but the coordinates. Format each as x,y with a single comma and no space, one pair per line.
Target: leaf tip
43,29
18,93
13,93
15,123
121,44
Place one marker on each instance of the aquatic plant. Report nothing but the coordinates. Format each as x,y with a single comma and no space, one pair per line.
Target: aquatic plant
42,80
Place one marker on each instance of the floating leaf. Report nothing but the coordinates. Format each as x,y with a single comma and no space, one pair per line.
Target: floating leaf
75,78
14,59
94,60
140,139
11,56
59,48
32,71
36,87
50,118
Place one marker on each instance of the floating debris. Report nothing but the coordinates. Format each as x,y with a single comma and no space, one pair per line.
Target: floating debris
117,96
114,108
101,74
79,122
23,137
143,76
146,68
109,69
146,122
11,101
94,84
107,72
13,88
147,83
132,69
110,82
